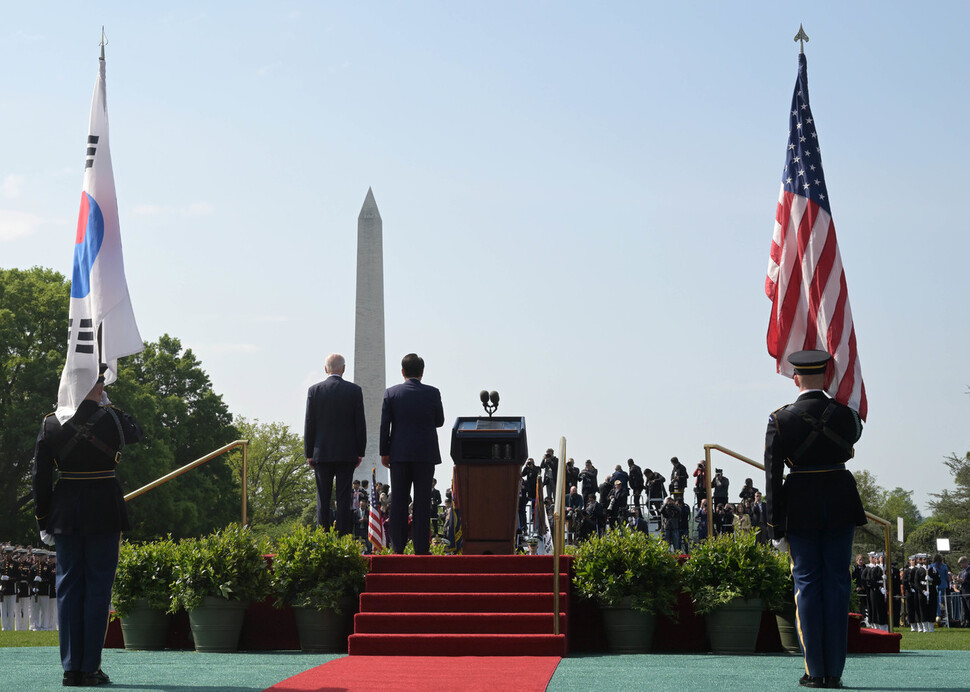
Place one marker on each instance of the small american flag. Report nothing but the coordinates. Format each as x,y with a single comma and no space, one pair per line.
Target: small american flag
375,522
806,282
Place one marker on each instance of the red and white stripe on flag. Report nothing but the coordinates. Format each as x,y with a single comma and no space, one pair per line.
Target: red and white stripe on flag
806,281
375,522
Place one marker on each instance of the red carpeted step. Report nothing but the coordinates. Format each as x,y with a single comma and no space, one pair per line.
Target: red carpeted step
457,645
462,583
456,623
410,602
480,564
870,641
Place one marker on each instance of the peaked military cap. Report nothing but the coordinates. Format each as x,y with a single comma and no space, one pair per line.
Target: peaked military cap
809,362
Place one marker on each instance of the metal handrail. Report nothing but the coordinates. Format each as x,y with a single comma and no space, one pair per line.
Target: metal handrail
558,529
191,465
752,462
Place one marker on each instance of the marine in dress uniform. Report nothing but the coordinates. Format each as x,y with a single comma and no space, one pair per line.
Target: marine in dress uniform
85,513
816,507
8,586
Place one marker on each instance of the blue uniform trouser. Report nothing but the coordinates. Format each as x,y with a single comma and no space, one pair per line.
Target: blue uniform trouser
820,568
85,573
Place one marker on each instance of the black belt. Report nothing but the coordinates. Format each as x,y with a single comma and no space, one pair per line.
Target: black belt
818,469
87,475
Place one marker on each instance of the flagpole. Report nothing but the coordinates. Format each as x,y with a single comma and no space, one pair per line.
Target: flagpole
800,36
104,42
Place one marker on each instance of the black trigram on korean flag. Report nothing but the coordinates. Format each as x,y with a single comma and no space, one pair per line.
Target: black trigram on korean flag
92,149
85,335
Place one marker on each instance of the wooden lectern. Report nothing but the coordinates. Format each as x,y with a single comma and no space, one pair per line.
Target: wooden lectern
488,455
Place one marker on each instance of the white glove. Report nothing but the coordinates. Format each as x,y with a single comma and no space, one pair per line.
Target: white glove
4,578
37,579
46,538
781,544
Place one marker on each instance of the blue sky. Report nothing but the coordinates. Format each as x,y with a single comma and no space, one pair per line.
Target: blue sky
577,200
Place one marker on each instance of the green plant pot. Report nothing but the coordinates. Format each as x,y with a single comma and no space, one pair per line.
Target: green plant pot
145,628
217,624
733,627
628,631
788,630
323,631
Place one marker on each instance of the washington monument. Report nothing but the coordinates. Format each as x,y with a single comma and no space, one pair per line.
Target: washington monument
370,368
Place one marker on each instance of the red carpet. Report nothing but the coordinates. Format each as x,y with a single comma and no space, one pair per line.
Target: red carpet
863,640
465,605
425,673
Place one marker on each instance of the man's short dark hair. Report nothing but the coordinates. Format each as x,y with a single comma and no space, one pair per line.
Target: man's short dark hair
413,365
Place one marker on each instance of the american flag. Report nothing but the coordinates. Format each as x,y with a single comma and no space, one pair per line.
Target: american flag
806,282
375,522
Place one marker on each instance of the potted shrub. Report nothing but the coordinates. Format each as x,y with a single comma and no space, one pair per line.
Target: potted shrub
731,578
320,574
216,577
785,610
141,592
633,577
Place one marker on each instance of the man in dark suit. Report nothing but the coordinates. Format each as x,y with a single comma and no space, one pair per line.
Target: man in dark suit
85,514
816,507
334,439
409,448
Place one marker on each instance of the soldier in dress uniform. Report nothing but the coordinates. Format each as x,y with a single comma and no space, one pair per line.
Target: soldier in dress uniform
875,578
21,613
927,582
85,514
39,594
8,595
909,592
816,508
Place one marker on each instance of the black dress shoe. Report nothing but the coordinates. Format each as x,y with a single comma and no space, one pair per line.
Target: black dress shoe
72,678
94,679
832,683
811,681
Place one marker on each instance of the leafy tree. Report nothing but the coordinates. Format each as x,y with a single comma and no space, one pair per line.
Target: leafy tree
163,387
923,539
899,503
953,505
888,504
171,396
280,484
33,341
870,491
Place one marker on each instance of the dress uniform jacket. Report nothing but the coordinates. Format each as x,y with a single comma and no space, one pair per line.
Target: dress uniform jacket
88,498
812,436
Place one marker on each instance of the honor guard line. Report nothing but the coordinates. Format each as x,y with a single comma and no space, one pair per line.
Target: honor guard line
558,521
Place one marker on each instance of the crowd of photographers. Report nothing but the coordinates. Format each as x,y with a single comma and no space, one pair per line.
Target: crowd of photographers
642,499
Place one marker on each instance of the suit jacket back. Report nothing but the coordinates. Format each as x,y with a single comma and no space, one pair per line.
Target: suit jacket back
335,430
410,416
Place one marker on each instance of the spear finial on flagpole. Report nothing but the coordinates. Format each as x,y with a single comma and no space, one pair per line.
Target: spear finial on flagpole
104,42
801,36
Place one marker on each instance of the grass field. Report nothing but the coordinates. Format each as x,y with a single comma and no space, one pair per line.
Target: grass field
954,639
28,639
943,639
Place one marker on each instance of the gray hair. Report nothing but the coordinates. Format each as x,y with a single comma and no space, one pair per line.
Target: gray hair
335,364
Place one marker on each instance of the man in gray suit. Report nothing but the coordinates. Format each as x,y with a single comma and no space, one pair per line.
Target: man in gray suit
334,439
409,448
